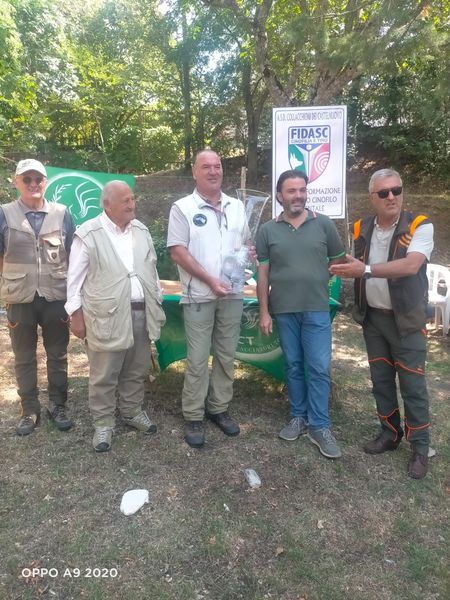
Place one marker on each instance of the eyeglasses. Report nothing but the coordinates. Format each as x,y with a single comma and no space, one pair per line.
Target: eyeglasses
27,180
383,194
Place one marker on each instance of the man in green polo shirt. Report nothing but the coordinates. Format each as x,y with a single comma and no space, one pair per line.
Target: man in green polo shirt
294,252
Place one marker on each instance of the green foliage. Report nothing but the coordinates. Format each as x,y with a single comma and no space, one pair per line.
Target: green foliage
139,85
144,149
405,114
158,230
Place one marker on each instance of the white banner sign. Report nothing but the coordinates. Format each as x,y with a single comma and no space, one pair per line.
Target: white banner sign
312,140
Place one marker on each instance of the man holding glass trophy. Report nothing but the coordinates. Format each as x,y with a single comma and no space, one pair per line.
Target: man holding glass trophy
210,241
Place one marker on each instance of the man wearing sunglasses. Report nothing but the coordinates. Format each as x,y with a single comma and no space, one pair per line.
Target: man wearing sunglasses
391,250
35,240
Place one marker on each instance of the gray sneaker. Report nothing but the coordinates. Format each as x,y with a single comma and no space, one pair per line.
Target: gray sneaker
325,441
141,422
102,439
296,426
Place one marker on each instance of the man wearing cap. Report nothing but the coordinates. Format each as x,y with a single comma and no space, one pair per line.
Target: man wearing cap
391,251
35,240
114,299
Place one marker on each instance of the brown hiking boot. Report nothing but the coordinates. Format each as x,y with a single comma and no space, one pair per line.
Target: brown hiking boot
194,434
57,414
381,444
28,424
224,422
417,465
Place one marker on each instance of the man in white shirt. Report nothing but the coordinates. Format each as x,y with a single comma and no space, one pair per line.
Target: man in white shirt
114,300
204,227
391,291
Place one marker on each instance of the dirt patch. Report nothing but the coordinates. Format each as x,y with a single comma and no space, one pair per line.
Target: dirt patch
355,528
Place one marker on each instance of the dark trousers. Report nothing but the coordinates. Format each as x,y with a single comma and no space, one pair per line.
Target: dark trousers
391,355
23,320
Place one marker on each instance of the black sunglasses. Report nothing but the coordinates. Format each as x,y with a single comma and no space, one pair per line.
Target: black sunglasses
27,180
396,191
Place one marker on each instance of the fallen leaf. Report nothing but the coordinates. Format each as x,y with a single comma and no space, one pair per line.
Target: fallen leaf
172,493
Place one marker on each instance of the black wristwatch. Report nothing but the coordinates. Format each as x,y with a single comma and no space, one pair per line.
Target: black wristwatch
367,272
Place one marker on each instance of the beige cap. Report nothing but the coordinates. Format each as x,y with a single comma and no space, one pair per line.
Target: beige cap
29,164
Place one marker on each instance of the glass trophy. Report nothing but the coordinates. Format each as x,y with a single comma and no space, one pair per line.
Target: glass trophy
236,262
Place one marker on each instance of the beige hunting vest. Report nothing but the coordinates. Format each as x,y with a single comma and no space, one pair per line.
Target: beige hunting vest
31,263
106,291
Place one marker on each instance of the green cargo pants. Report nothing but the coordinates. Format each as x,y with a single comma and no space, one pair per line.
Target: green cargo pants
389,355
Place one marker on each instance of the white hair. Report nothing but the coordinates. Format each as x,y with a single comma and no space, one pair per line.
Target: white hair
108,191
383,174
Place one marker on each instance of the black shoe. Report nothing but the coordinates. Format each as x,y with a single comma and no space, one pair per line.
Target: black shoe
194,434
28,424
417,465
223,420
381,444
59,417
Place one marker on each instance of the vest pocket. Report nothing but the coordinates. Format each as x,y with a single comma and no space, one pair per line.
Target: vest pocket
11,283
58,283
102,318
52,249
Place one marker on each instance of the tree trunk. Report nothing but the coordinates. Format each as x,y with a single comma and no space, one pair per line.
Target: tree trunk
186,87
253,109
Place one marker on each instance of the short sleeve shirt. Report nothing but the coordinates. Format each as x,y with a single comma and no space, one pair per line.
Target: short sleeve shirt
377,288
298,262
208,233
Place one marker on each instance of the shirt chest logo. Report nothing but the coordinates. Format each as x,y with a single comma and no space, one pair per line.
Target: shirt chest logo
199,220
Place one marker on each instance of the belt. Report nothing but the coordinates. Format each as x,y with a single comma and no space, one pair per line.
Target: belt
138,306
383,311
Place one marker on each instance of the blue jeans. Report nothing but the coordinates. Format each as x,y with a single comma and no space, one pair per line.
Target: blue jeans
305,338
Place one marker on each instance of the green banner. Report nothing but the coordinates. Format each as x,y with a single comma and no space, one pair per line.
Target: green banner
254,348
80,190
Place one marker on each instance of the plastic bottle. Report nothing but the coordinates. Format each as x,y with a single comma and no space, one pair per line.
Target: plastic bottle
233,269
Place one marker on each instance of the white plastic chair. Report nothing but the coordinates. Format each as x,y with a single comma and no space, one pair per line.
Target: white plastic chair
441,304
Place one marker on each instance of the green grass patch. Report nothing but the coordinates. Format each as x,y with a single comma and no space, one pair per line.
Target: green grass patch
357,528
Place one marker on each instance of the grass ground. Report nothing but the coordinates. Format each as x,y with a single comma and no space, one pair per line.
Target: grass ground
356,529
353,529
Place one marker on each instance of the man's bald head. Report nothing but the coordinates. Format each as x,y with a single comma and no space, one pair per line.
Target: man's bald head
118,202
208,175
